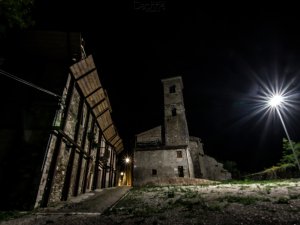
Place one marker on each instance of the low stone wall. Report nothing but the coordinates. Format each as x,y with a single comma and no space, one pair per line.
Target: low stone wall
271,174
173,181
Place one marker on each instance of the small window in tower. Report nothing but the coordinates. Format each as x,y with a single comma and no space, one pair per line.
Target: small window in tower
172,89
179,154
174,113
154,172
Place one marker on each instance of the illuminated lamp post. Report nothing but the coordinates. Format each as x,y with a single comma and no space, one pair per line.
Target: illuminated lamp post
127,160
121,178
276,101
127,170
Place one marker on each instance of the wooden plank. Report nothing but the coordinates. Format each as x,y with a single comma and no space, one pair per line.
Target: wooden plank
110,132
115,140
120,148
90,61
118,144
85,66
82,67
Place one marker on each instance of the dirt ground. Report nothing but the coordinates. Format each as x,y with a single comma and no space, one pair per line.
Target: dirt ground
276,202
247,203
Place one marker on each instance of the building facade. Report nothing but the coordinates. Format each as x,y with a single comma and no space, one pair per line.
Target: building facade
54,146
83,146
168,151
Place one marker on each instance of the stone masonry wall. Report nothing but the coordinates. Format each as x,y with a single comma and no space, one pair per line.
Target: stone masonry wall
197,154
215,170
65,149
51,146
165,162
84,166
150,136
176,129
60,172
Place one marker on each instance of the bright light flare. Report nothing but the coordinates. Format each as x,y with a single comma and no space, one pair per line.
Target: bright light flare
279,95
127,160
275,100
267,97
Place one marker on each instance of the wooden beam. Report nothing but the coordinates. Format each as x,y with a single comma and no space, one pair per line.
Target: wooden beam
85,74
107,127
112,138
98,103
116,145
93,92
102,113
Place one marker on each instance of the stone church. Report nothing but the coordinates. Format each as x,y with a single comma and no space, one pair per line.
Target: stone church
168,151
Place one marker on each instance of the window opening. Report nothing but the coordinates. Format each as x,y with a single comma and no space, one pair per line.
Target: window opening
179,154
174,112
172,89
154,172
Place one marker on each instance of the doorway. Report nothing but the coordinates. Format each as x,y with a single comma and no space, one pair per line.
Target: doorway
180,171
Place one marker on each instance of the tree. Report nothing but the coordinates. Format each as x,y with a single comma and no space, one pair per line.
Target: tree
287,166
288,157
231,167
16,13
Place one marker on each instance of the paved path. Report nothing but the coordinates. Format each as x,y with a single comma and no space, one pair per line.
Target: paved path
89,204
93,202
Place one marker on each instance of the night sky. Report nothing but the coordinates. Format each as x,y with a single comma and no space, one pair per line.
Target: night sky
225,56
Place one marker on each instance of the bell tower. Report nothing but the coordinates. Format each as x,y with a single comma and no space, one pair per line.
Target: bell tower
175,125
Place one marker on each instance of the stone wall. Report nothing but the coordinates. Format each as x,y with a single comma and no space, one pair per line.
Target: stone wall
65,148
60,172
215,170
166,181
197,155
77,168
162,163
46,166
175,124
149,137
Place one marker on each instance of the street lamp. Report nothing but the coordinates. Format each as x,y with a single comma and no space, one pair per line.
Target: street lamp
127,160
121,179
276,101
127,170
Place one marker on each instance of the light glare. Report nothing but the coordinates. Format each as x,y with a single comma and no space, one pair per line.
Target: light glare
275,100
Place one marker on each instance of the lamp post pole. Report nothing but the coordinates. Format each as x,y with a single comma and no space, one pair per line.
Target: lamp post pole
127,172
288,137
275,101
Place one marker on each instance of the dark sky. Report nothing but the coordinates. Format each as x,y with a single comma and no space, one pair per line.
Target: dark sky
221,53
